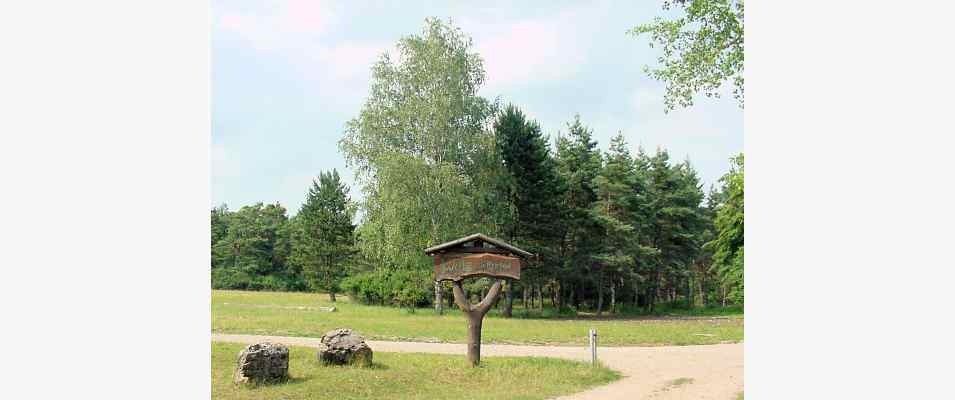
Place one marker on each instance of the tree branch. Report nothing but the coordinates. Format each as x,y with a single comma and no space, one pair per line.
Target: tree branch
459,298
485,304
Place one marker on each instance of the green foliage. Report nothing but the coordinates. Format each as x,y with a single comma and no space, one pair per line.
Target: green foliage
254,240
728,244
674,223
700,50
226,278
615,211
323,239
403,288
421,151
534,190
579,163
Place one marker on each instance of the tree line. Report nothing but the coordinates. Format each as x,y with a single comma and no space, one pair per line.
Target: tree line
613,231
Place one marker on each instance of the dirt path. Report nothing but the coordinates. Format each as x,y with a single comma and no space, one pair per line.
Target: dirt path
670,372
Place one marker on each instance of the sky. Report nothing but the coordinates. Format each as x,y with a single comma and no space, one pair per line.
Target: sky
287,75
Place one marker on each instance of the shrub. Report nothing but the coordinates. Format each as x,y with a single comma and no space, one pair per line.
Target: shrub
223,278
227,278
389,287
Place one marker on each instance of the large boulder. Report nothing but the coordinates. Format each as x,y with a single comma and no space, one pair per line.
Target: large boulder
342,346
262,363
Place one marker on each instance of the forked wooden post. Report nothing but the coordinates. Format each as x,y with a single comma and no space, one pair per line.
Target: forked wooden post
471,257
475,314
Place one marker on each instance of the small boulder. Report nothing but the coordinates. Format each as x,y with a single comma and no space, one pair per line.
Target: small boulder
262,363
342,346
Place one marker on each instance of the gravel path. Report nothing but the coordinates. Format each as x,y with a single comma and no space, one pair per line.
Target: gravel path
667,372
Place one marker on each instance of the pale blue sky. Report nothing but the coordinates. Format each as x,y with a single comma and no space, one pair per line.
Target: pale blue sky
287,75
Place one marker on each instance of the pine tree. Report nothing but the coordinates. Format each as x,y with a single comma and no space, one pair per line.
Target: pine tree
614,211
579,164
533,189
323,242
674,224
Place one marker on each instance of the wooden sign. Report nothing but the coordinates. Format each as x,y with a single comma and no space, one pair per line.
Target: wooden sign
471,256
455,267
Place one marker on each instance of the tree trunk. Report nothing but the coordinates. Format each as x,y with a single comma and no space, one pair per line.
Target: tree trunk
613,297
576,293
474,338
600,297
438,306
566,295
540,297
475,315
508,299
557,299
524,302
689,293
636,294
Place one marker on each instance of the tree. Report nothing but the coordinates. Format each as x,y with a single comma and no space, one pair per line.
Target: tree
674,224
219,226
422,151
614,211
579,164
728,244
533,189
704,278
700,50
253,242
323,241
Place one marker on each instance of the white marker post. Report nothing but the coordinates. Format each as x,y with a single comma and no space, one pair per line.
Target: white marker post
593,346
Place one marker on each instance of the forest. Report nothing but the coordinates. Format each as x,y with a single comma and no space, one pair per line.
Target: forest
615,231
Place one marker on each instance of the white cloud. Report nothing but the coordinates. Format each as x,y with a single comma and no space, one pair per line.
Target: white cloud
536,49
297,32
271,29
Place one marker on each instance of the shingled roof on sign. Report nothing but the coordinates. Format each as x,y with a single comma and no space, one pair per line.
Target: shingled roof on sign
463,242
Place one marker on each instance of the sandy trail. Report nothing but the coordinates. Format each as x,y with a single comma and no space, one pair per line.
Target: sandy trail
666,372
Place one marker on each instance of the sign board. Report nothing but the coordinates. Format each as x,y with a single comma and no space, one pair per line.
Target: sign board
455,267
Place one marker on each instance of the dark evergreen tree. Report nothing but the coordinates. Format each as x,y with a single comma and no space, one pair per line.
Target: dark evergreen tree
323,238
615,211
579,163
674,225
534,193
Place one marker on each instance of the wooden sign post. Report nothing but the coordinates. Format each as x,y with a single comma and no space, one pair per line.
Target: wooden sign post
476,256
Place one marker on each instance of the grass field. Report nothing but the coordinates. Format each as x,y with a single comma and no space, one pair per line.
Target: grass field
297,314
411,376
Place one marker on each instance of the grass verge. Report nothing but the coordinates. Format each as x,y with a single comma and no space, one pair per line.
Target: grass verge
298,314
411,376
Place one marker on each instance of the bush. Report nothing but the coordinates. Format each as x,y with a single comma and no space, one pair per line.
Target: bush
401,288
226,278
223,278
